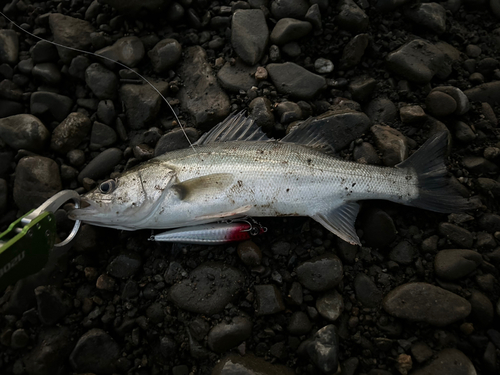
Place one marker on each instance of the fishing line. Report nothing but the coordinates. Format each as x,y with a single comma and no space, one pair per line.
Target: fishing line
113,61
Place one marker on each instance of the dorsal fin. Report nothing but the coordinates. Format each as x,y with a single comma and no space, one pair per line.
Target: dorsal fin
312,134
236,127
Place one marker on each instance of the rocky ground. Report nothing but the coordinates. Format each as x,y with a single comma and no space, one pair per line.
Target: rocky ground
421,296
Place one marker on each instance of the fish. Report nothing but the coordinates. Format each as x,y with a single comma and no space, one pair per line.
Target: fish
237,171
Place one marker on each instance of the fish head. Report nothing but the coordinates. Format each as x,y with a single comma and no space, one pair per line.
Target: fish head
126,201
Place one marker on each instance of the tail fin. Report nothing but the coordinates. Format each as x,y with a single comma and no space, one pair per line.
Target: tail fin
435,192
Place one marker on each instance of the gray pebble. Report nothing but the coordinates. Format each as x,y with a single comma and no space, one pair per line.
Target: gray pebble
323,349
9,46
486,92
76,157
249,253
288,112
68,172
403,253
458,235
261,113
42,102
24,132
490,222
47,72
429,15
101,136
477,164
448,362
101,165
456,263
351,17
417,61
124,265
440,104
330,305
378,229
313,16
289,8
52,304
249,35
295,294
249,364
482,308
391,143
323,66
208,289
421,352
19,339
320,273
422,302
269,300
175,140
10,91
381,111
106,111
290,78
102,82
70,133
37,179
78,67
365,153
362,87
288,30
291,49
458,95
354,51
412,114
237,77
299,324
128,50
366,291
225,336
71,32
463,132
165,54
95,351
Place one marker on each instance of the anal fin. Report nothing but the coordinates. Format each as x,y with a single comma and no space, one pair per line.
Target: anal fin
340,221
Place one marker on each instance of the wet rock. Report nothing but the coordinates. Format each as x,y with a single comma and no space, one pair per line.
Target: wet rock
295,294
391,143
366,291
320,273
292,79
78,66
10,91
288,112
49,355
47,72
237,77
208,289
289,8
142,104
422,302
490,222
260,111
440,104
313,16
106,112
417,61
9,47
105,282
198,77
248,365
362,87
102,136
381,110
42,102
175,140
128,50
288,30
461,100
354,51
70,32
19,339
249,253
95,351
269,300
70,132
487,92
478,164
102,82
482,308
458,235
165,54
24,132
365,153
124,265
101,165
225,336
403,253
323,66
351,17
412,114
131,7
291,49
249,35
37,179
299,324
463,132
51,303
331,305
378,229
457,263
323,349
448,361
429,15
421,352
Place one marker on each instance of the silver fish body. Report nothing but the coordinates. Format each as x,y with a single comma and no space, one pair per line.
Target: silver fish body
230,179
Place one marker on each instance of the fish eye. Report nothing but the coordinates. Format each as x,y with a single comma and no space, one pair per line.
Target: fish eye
108,186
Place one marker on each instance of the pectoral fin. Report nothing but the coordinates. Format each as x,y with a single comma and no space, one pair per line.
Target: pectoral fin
202,186
340,221
238,212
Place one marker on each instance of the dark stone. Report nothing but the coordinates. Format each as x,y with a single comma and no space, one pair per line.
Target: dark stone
458,235
378,229
323,349
320,273
70,32
289,8
249,253
290,78
269,300
381,111
288,29
260,111
351,17
175,140
128,50
9,46
429,15
101,165
482,308
165,54
70,132
366,291
249,35
354,51
455,264
299,324
391,143
225,336
440,104
124,265
330,305
422,302
208,289
52,305
448,362
248,365
24,132
47,72
58,106
403,253
362,87
102,82
102,136
237,77
487,92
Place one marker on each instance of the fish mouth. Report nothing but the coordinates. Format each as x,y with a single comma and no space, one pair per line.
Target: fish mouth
87,210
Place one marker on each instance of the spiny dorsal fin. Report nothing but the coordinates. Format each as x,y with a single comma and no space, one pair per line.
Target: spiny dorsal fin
236,127
312,134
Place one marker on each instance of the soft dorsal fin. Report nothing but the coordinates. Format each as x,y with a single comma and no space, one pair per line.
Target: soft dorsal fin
236,127
312,134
